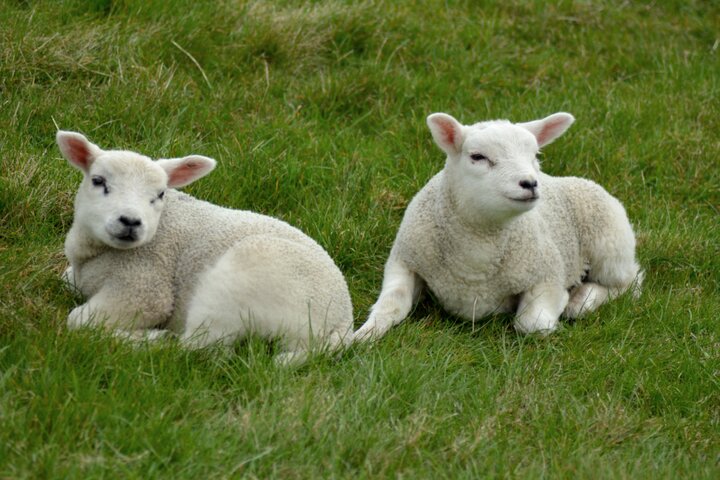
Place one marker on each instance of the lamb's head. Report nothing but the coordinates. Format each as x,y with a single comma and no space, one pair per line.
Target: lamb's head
121,197
492,167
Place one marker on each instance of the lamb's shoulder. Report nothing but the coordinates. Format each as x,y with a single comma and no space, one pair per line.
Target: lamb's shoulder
584,199
205,219
197,233
418,242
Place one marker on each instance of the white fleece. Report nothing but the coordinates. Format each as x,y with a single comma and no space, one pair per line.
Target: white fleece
147,256
491,233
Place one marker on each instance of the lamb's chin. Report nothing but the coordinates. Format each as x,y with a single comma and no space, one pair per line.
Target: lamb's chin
521,205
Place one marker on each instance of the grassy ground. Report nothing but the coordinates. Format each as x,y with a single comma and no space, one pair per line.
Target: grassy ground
315,111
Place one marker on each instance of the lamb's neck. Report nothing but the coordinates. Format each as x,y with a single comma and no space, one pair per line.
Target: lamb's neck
480,229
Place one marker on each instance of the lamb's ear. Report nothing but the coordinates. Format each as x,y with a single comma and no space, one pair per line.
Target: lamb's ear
77,149
549,128
182,171
447,132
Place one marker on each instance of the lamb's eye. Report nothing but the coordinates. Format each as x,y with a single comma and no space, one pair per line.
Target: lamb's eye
159,197
99,181
478,157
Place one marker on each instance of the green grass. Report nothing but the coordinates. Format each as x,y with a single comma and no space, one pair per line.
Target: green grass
315,112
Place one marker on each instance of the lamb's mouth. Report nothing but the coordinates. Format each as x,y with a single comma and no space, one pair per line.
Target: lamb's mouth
526,199
128,237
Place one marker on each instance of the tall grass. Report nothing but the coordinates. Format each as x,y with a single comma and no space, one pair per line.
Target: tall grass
315,112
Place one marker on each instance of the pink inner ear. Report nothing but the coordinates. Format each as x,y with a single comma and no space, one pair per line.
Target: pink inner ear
79,152
549,131
448,131
184,174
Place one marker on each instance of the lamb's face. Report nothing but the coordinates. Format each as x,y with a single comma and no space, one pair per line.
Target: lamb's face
496,170
121,199
492,167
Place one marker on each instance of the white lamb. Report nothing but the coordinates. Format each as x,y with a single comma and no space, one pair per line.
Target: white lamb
147,256
491,233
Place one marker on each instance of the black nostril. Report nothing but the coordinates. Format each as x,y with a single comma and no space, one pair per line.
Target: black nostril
529,184
130,222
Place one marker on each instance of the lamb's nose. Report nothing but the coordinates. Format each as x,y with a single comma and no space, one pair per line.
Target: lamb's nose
529,184
130,222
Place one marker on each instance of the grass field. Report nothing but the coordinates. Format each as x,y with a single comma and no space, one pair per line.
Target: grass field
316,114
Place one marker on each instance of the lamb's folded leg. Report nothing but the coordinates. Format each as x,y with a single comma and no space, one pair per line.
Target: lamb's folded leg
293,358
586,298
142,336
87,314
115,309
401,288
68,277
540,307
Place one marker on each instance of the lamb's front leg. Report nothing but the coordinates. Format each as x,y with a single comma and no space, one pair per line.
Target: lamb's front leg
115,309
101,311
68,277
401,288
540,307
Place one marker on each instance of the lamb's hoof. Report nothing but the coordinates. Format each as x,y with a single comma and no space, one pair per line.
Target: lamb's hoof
364,335
541,332
584,298
68,278
141,336
291,359
369,332
575,310
541,325
154,334
78,318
